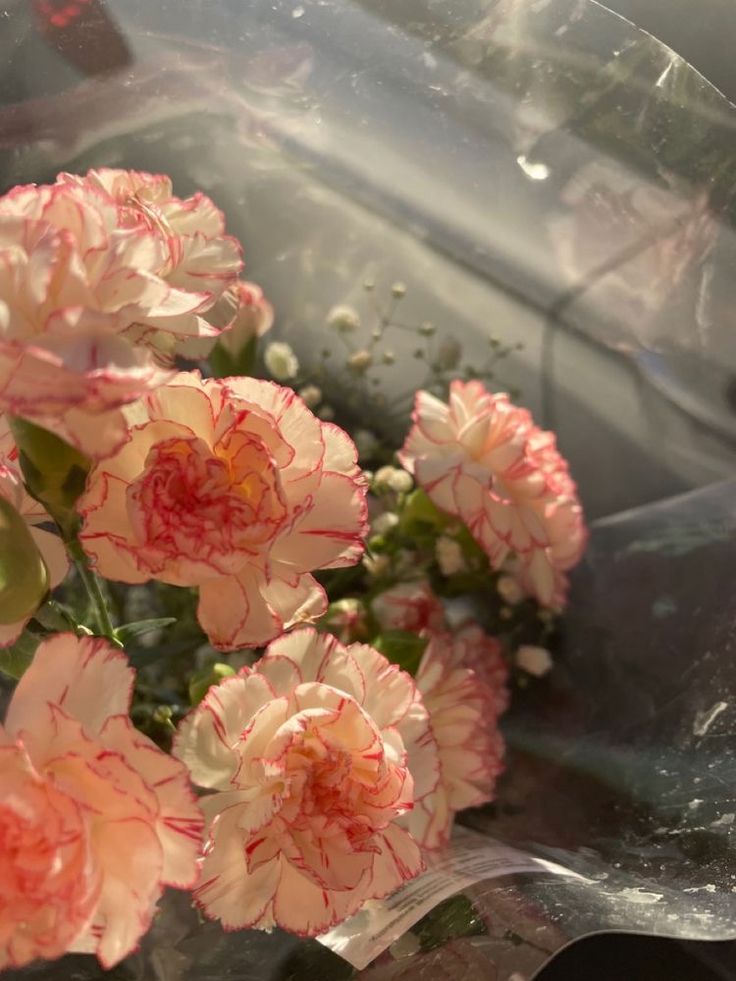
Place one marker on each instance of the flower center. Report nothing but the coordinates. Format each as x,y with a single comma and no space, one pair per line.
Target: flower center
209,506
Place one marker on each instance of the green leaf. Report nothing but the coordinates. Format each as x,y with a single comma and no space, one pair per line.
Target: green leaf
402,648
420,515
128,631
226,365
454,917
24,578
15,659
202,681
54,472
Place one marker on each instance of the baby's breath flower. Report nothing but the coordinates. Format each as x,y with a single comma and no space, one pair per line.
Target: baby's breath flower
280,360
392,479
398,291
343,319
534,660
449,556
360,361
312,395
326,413
384,523
509,590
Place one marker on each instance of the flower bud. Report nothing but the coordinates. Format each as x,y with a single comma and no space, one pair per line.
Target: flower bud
54,471
24,578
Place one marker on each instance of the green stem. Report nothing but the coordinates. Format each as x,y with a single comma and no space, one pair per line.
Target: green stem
92,585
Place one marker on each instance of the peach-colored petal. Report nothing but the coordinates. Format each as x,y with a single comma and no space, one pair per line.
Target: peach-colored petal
227,891
84,676
463,710
130,860
207,738
179,824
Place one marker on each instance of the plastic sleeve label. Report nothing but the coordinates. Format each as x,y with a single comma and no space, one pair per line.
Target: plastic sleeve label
471,858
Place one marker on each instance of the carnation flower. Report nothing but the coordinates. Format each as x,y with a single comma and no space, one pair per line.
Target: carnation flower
315,754
94,819
409,606
49,545
463,711
234,487
197,254
243,313
96,289
483,460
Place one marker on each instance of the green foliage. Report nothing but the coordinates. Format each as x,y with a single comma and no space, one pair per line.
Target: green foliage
15,659
419,517
54,472
226,365
24,578
130,631
401,647
453,918
202,681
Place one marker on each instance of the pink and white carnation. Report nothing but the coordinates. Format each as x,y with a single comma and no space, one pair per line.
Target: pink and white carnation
244,313
235,487
91,302
463,707
314,755
482,459
49,545
94,819
483,654
198,256
409,606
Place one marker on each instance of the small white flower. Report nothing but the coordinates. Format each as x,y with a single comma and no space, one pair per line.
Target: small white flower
344,319
392,479
312,395
385,522
281,361
534,660
509,590
449,556
398,291
326,413
360,361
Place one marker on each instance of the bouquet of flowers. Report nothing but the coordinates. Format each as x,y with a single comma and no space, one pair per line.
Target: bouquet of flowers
258,656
